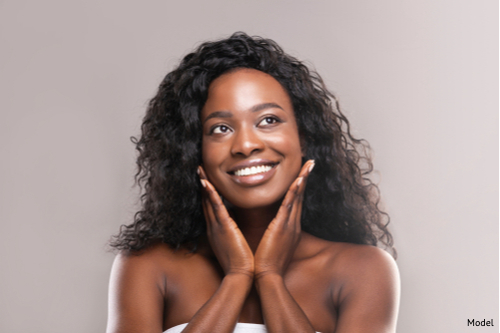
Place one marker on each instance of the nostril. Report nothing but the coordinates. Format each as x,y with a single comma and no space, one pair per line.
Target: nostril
246,143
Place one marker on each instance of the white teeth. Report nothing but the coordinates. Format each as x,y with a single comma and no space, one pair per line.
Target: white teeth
253,170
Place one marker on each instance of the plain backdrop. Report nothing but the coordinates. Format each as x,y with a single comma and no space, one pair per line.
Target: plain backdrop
417,79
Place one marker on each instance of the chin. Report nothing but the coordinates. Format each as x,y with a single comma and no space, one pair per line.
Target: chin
255,200
253,204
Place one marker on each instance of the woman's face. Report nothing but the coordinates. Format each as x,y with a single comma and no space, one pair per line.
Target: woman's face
251,147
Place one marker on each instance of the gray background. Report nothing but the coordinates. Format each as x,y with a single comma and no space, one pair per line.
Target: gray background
417,79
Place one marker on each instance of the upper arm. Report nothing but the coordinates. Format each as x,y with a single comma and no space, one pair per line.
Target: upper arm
369,297
135,295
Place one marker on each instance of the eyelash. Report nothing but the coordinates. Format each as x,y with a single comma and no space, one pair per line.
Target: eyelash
274,120
218,126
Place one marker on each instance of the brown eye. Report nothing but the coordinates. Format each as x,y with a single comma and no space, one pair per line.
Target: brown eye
268,121
220,129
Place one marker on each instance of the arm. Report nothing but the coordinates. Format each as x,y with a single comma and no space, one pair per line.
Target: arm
137,293
221,312
281,311
138,289
368,298
135,296
236,259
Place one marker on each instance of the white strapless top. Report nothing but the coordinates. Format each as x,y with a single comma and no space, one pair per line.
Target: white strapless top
240,328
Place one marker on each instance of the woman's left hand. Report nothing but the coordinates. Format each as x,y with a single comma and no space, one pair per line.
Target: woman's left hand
282,236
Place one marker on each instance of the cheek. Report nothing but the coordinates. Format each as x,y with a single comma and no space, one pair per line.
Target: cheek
210,158
204,154
213,156
295,164
289,147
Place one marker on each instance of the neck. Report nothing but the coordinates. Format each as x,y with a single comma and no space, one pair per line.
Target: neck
253,222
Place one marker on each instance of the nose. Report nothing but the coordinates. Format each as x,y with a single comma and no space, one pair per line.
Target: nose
246,142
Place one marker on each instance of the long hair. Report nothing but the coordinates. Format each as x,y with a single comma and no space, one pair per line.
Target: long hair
340,201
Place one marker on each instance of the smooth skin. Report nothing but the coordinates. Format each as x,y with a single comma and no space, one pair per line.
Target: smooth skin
255,264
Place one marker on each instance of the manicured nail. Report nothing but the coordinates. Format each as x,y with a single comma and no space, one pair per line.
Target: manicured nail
299,181
311,167
203,183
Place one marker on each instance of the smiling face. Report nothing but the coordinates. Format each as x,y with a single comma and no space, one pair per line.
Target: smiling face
251,147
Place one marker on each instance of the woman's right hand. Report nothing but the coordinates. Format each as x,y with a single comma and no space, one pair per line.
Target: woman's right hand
227,241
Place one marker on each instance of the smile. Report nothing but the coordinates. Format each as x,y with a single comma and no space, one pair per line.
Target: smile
253,173
254,170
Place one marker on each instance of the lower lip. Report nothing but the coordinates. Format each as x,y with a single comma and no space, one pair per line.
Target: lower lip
254,180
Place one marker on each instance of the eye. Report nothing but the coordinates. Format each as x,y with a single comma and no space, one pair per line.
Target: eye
268,121
220,129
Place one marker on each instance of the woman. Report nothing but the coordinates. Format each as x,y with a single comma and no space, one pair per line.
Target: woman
257,213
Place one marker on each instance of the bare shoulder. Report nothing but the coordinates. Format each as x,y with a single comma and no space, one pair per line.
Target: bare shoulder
365,287
351,261
363,282
149,261
137,288
149,255
354,260
153,266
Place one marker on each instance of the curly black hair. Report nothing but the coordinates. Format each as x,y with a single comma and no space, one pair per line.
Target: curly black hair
340,201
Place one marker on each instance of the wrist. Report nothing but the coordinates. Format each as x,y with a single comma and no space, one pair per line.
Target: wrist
240,273
268,280
243,280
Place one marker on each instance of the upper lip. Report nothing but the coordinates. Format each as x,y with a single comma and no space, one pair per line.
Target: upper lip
251,163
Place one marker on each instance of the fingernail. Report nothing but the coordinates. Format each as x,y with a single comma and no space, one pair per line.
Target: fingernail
198,171
299,181
311,167
203,183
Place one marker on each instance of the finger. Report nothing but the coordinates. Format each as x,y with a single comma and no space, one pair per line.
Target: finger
204,204
216,205
297,214
207,212
212,219
202,175
304,174
294,213
310,166
298,185
306,168
288,202
203,196
201,172
207,205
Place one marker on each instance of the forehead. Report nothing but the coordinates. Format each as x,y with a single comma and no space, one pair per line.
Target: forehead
242,89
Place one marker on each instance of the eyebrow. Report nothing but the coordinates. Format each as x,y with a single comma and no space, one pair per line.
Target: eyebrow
264,106
219,114
255,108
